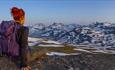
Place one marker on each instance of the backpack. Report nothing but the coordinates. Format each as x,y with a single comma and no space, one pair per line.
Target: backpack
8,43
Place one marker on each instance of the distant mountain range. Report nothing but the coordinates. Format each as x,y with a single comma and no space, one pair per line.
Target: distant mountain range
100,34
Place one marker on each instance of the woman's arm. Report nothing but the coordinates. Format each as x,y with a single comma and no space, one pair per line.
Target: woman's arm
24,50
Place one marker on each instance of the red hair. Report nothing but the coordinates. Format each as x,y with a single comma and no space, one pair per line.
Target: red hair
17,13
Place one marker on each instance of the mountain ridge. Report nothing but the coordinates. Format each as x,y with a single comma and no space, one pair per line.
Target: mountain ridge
96,33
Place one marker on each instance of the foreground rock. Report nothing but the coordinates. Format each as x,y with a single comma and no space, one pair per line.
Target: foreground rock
70,62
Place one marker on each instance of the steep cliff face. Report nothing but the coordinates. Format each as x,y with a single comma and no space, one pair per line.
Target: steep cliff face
71,62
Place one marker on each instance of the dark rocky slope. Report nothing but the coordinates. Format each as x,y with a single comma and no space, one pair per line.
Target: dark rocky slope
73,62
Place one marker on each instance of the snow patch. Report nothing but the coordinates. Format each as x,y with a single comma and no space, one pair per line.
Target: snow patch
60,54
99,51
34,39
33,43
50,45
50,41
82,50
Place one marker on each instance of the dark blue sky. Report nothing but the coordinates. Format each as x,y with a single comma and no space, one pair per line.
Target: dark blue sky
65,11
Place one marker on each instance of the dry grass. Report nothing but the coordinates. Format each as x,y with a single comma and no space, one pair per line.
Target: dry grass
39,53
65,49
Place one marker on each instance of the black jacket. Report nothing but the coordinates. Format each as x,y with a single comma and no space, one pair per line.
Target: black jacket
22,39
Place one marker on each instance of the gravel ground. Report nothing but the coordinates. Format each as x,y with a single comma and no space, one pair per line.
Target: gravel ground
71,62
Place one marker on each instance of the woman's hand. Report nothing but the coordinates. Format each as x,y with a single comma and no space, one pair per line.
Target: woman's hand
26,68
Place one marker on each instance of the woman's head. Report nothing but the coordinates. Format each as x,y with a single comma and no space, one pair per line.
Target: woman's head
18,15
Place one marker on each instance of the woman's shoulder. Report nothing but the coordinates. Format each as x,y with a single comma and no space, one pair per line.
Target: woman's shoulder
24,29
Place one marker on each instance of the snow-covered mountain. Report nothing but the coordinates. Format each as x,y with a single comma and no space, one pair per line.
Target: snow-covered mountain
101,34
